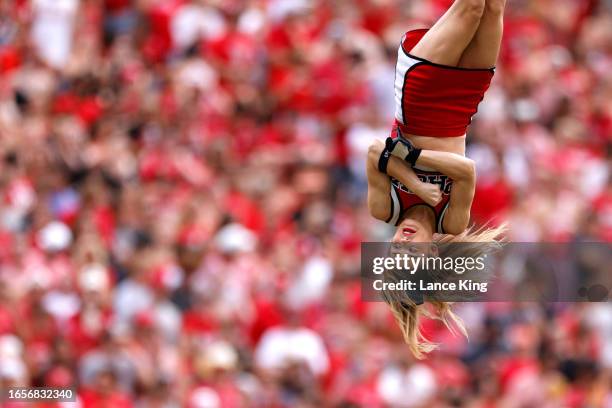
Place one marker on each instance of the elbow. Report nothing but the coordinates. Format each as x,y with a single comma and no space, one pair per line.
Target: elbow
458,224
456,229
378,207
469,170
378,212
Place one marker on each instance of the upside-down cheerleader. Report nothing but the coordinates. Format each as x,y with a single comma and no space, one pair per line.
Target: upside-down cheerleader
419,179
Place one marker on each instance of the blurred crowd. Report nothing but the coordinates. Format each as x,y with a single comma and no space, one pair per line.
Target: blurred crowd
183,201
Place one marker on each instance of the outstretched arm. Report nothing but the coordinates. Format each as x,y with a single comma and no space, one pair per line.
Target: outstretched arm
379,184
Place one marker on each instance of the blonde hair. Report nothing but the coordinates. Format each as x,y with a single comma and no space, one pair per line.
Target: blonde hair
476,243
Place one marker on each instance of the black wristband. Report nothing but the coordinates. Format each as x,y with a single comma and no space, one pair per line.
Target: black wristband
386,154
383,160
413,156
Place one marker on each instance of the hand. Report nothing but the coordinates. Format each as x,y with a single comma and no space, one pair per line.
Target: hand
430,193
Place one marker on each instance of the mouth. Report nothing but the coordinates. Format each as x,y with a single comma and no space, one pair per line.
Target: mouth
408,231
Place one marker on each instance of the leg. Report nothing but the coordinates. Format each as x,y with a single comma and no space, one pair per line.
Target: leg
446,41
483,50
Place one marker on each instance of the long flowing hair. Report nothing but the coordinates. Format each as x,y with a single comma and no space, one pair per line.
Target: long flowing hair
474,243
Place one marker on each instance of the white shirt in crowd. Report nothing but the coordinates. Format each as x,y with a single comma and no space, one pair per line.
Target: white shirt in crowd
52,29
280,346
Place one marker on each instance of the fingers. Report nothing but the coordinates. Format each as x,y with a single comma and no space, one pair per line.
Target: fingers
434,199
431,194
438,198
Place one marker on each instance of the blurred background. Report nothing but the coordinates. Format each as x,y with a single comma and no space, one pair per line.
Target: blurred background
183,199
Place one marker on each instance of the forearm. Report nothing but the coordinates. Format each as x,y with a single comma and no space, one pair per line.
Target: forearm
396,168
379,184
399,170
453,165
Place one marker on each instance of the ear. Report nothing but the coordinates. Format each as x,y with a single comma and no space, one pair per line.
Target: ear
433,249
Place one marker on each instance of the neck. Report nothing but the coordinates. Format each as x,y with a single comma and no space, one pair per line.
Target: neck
423,215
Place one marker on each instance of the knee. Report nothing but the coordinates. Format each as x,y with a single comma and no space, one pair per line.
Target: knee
472,9
495,7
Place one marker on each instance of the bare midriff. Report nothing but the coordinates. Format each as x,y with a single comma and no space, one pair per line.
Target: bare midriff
440,144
